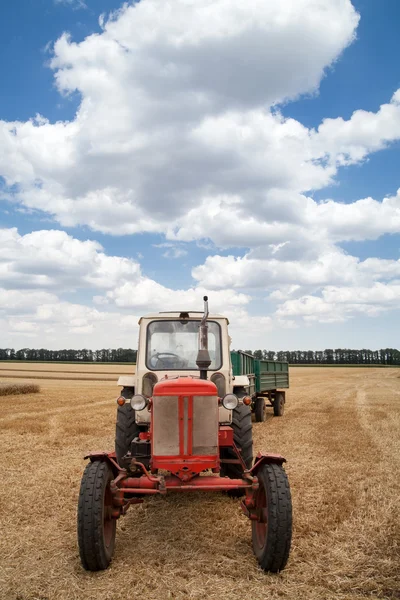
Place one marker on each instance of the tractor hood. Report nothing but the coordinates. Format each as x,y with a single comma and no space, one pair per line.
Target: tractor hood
185,386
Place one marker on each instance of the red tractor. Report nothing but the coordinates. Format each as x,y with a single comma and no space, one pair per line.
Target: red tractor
183,436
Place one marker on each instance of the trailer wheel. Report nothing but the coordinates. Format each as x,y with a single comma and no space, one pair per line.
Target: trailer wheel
272,532
279,404
96,528
259,409
126,428
243,438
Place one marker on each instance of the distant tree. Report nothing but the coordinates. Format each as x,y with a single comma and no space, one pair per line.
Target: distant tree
310,357
328,356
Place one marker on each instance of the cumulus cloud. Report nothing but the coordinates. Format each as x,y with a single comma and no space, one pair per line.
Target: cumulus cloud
21,302
339,304
179,132
52,259
175,108
335,286
333,267
38,269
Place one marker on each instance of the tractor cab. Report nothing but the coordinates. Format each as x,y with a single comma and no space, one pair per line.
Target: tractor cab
169,346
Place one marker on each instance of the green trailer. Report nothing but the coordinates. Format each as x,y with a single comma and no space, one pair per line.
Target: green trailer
266,378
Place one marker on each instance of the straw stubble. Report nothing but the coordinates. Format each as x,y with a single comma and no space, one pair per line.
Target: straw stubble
339,434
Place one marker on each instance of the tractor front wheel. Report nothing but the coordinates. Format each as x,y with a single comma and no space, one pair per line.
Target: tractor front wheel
272,531
96,527
126,428
243,438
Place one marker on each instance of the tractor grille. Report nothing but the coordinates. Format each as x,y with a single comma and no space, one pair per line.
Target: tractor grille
165,426
198,433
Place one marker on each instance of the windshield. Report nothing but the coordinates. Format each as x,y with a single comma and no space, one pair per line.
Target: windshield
173,345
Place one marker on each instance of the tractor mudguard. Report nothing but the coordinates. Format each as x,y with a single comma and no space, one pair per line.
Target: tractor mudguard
241,381
108,457
264,458
126,381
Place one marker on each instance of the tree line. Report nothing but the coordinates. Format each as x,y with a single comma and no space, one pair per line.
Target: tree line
85,355
339,356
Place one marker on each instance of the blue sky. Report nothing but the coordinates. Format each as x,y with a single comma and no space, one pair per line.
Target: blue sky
172,158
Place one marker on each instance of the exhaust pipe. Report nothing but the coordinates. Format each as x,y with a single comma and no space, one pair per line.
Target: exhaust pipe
203,357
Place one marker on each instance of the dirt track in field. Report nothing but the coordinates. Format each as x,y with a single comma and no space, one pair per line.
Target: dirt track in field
340,434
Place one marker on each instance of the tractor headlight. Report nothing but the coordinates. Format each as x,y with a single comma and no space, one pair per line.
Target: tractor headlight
138,402
230,401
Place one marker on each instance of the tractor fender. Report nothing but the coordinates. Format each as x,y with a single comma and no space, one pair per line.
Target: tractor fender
126,381
265,458
241,381
108,457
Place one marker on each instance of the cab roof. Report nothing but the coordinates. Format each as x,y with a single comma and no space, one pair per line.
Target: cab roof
179,314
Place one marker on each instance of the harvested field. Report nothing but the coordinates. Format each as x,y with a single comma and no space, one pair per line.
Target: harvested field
93,368
340,434
64,372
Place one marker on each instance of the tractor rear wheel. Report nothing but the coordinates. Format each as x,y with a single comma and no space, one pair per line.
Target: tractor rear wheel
279,404
243,438
126,428
96,527
272,532
259,409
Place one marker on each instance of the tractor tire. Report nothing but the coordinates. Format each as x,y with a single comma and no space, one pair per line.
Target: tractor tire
243,438
279,404
259,409
96,528
272,533
126,428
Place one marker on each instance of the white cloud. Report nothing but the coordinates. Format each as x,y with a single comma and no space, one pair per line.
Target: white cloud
174,253
175,133
146,294
340,304
60,263
52,259
333,287
331,267
24,327
63,324
179,133
174,105
75,4
172,250
360,220
350,141
23,302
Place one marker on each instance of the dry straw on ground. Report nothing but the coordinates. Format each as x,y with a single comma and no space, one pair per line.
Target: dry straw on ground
12,389
340,434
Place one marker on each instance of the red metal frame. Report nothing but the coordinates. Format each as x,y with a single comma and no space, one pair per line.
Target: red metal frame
225,436
126,490
185,468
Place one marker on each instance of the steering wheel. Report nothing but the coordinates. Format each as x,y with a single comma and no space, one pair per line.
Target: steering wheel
157,357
